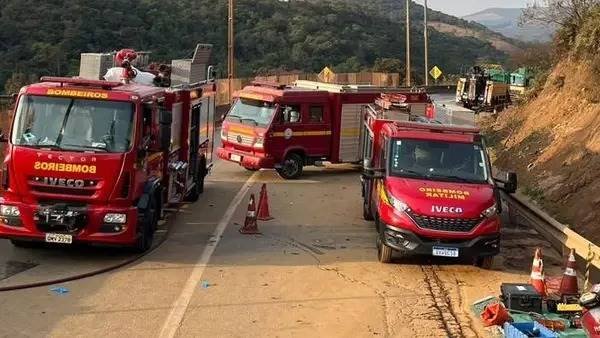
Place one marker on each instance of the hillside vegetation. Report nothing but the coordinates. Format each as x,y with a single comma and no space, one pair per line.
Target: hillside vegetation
46,38
553,140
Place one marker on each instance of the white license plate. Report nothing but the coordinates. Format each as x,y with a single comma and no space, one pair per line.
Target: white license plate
235,158
59,238
445,252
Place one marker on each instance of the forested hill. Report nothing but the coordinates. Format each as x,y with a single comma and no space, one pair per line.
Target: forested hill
46,37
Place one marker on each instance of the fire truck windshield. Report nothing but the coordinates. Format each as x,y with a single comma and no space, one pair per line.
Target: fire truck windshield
438,161
253,112
73,124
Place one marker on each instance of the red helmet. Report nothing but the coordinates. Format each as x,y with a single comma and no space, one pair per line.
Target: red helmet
125,56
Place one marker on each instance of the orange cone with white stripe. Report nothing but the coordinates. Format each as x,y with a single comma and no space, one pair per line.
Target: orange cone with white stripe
568,285
250,226
263,205
537,273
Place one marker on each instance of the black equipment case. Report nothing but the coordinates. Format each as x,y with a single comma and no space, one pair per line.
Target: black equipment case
521,297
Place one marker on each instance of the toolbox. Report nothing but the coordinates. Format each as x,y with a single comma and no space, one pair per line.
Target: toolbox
521,297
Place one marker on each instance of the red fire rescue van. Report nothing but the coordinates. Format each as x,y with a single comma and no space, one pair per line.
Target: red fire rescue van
289,127
94,161
429,189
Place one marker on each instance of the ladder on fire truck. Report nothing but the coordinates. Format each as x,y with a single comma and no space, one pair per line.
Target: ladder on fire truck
358,88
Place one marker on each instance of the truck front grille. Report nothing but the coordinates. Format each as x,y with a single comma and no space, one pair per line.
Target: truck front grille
240,139
445,224
60,218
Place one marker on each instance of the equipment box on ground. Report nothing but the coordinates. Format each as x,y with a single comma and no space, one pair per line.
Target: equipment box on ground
521,297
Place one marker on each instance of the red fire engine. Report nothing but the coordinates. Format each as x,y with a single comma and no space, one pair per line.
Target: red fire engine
95,161
429,188
289,127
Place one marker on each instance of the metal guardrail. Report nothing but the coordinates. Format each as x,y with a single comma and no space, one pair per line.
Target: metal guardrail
559,235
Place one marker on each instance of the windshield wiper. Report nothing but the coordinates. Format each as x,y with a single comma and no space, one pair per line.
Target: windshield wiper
249,119
451,177
234,116
100,148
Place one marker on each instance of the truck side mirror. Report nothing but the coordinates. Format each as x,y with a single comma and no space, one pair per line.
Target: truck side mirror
509,182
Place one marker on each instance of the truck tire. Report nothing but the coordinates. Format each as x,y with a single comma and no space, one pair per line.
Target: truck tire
292,167
146,227
384,252
367,214
485,262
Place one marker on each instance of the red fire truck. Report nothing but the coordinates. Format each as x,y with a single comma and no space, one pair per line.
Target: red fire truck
94,161
289,127
429,189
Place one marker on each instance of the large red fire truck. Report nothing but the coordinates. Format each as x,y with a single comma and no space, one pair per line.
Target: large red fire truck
289,127
429,188
95,161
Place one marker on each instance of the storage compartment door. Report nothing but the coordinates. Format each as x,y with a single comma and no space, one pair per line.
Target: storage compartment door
350,130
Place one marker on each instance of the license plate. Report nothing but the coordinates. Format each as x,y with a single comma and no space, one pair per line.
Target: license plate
445,252
236,158
59,238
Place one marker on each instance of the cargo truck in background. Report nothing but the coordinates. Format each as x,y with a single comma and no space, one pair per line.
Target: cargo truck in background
95,161
429,189
479,92
289,127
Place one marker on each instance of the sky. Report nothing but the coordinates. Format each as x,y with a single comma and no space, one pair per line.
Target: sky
465,7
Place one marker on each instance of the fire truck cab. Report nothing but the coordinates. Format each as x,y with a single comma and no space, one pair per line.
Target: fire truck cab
94,161
289,127
429,189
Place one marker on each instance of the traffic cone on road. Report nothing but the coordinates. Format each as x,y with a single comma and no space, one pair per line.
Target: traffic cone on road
263,205
568,285
250,226
537,273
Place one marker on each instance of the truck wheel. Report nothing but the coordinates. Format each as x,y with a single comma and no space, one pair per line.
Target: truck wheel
485,262
292,167
25,244
146,227
384,252
367,214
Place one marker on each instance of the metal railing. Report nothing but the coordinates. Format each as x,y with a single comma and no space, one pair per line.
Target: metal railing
560,236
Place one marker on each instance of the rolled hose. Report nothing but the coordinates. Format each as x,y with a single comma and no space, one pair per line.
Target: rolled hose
87,274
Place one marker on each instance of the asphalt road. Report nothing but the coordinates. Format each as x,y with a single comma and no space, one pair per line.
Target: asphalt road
312,272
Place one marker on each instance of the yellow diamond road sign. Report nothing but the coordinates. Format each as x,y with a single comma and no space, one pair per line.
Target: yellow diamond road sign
326,75
435,72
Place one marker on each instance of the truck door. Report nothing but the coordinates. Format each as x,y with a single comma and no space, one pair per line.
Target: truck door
287,131
317,129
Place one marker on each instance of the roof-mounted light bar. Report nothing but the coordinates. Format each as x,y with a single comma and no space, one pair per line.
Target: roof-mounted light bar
438,128
81,82
259,83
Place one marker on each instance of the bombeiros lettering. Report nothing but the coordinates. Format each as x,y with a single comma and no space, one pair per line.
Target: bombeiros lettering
77,93
65,167
452,194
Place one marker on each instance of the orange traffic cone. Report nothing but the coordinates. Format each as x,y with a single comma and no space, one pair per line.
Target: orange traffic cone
568,285
250,226
537,273
263,205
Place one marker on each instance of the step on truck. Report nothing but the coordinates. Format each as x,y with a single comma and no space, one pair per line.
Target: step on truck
289,127
94,161
429,189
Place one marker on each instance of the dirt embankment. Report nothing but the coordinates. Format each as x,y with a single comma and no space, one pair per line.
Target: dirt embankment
553,142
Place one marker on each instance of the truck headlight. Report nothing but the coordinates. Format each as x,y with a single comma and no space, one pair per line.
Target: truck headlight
223,134
399,205
491,211
9,210
259,143
115,218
